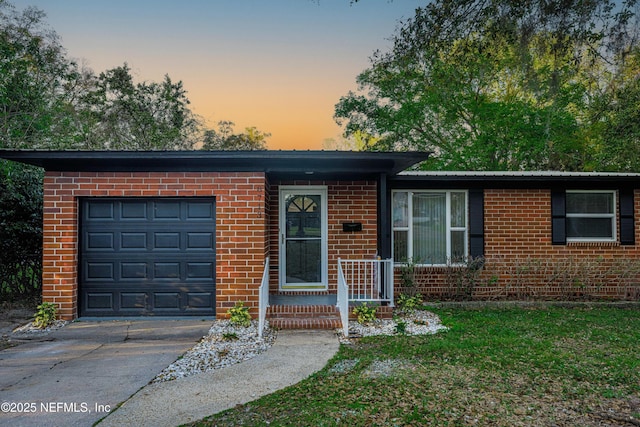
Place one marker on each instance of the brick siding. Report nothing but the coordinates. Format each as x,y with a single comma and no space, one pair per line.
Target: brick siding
348,201
521,262
241,218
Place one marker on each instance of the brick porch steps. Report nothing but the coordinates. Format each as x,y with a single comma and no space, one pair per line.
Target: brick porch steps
303,317
314,316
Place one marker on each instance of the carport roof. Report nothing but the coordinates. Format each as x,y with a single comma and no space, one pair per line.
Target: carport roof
276,162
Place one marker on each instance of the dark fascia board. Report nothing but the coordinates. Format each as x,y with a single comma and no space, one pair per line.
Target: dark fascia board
514,180
281,162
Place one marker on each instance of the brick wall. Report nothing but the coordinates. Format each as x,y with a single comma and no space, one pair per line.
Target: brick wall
348,201
521,262
241,217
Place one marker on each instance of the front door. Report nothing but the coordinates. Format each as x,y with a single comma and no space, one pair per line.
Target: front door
303,238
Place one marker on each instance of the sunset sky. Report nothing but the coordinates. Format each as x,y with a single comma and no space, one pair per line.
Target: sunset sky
279,65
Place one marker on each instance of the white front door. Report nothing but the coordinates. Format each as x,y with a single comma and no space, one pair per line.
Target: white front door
303,238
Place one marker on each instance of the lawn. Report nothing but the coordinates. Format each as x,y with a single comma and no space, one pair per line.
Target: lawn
499,367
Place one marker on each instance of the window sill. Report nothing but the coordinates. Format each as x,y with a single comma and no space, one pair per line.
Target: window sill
594,244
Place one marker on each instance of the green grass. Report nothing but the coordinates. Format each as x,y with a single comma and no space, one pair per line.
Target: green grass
493,367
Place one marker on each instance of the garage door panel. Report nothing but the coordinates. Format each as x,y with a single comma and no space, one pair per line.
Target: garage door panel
133,241
99,210
134,211
166,210
200,211
166,241
147,257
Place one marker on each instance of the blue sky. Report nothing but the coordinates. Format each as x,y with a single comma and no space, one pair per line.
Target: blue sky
279,65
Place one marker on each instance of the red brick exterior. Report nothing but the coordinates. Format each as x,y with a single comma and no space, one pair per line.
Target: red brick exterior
348,201
521,261
241,218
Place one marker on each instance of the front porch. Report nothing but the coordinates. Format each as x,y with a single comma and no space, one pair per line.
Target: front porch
359,281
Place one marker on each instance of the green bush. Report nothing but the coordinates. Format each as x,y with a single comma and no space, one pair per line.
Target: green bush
409,303
20,232
239,315
365,313
46,315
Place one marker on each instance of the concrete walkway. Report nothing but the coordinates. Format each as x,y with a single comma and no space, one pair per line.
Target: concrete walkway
294,356
74,376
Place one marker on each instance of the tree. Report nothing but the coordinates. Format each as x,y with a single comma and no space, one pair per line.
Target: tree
619,120
122,115
35,76
494,84
225,139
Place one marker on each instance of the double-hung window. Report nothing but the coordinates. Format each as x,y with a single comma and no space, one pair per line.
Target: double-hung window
430,227
591,215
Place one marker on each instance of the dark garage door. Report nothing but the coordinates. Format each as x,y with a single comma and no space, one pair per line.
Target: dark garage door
147,257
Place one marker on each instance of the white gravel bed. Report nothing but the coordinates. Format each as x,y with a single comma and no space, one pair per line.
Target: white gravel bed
225,345
215,351
30,330
418,322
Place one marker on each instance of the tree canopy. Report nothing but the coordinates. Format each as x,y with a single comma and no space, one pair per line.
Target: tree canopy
505,85
224,138
50,101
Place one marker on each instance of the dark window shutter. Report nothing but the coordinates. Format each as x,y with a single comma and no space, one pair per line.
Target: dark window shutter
558,218
476,223
627,220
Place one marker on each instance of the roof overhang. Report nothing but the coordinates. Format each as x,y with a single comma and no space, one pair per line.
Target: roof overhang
287,163
516,179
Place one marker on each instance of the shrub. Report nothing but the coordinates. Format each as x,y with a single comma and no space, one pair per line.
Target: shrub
46,315
365,313
239,315
409,303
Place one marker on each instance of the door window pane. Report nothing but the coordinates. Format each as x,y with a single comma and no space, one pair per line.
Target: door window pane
304,261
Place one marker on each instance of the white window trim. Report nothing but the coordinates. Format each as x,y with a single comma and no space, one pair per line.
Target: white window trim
409,228
612,217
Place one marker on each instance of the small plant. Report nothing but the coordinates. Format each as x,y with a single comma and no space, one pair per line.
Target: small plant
230,336
239,315
401,326
45,315
365,313
409,303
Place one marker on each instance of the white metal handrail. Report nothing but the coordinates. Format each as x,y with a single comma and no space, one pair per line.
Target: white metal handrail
368,280
263,298
343,300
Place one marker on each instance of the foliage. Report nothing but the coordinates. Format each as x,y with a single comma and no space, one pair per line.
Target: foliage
48,101
45,315
20,231
123,115
498,84
573,278
540,366
239,315
225,139
35,81
409,303
230,336
401,326
407,277
365,313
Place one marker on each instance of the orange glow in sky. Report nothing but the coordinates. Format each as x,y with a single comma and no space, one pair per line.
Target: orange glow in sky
278,65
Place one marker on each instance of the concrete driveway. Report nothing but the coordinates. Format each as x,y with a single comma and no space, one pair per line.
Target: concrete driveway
78,374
